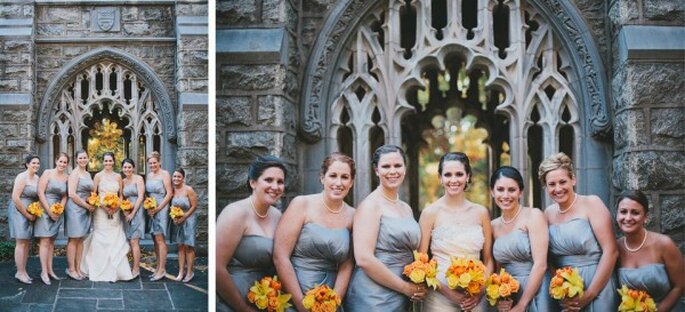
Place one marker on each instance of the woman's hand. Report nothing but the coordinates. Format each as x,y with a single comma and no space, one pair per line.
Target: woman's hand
470,302
415,292
504,305
30,217
575,303
129,216
179,220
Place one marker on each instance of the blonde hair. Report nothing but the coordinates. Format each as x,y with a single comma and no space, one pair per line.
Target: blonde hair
155,155
554,162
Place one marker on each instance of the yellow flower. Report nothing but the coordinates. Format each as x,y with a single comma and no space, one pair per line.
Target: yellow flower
321,298
110,201
422,270
635,300
566,283
150,203
57,208
266,295
176,212
35,209
126,205
466,274
93,199
492,292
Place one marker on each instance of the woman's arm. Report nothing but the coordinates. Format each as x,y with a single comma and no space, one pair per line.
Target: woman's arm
17,189
42,186
427,223
229,231
72,185
345,269
192,198
539,238
169,191
140,190
675,267
285,238
472,301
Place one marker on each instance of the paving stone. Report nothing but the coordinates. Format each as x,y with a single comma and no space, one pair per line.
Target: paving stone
40,293
110,304
91,293
70,283
185,297
70,305
146,299
134,284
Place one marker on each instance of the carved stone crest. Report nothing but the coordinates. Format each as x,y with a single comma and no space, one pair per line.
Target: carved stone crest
105,19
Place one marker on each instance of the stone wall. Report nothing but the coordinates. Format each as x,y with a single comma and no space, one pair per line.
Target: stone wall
258,64
16,87
648,86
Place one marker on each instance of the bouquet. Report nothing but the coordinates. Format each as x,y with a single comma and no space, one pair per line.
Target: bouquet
500,287
126,206
422,270
635,300
35,209
57,208
110,201
150,203
466,274
176,212
566,283
266,295
321,299
93,199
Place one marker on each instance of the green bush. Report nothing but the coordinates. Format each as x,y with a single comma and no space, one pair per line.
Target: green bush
6,251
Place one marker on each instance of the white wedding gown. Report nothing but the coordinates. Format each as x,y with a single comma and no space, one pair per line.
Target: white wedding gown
105,249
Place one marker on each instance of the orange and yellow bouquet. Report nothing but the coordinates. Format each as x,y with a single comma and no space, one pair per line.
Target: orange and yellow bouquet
266,295
35,209
321,299
150,203
110,201
566,283
57,208
93,199
176,212
635,300
422,270
500,287
467,275
126,205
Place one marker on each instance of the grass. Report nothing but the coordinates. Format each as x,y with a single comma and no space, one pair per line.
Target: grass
6,251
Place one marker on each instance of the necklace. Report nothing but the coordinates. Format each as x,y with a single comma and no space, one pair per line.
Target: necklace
394,201
255,210
575,196
625,243
342,205
512,219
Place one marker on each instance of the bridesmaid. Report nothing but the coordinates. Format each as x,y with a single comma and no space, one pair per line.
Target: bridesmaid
649,261
244,235
580,236
158,185
24,192
134,191
52,188
384,238
186,199
520,243
312,241
455,226
77,214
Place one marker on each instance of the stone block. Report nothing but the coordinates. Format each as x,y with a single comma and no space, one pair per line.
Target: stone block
164,52
9,159
63,14
44,51
231,178
18,145
18,72
16,116
194,43
624,12
666,84
199,85
10,10
248,145
137,29
672,213
236,12
664,10
71,51
317,6
191,71
252,77
310,29
273,11
17,45
51,30
276,111
650,171
668,127
630,129
188,158
9,85
155,13
200,137
28,11
234,110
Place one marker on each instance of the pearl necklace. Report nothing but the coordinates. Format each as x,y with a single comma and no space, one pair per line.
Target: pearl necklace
512,219
394,201
575,197
625,243
342,205
255,209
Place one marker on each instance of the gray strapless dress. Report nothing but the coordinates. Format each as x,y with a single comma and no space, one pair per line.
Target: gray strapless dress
397,239
135,229
574,244
185,233
160,221
44,226
251,262
513,252
78,219
652,278
20,227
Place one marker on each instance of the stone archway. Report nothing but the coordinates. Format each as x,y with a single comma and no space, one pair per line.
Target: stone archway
551,80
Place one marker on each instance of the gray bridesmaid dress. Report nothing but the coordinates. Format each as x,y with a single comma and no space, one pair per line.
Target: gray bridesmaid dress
185,233
160,221
252,260
44,226
318,252
136,228
574,244
78,219
652,278
20,227
397,239
513,252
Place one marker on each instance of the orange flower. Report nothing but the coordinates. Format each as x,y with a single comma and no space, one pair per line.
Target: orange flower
150,203
126,205
35,209
266,295
635,300
566,283
500,287
93,199
57,208
466,274
321,298
422,270
176,212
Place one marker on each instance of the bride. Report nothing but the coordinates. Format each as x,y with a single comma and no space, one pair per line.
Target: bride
105,249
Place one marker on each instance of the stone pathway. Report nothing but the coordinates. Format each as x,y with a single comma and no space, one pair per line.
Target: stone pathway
80,296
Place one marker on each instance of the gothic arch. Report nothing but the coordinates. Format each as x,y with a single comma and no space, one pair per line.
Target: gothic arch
71,70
